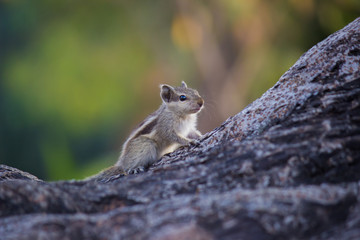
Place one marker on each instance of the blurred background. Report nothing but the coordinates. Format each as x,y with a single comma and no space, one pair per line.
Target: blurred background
77,76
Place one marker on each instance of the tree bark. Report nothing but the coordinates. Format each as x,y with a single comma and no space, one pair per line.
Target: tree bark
286,167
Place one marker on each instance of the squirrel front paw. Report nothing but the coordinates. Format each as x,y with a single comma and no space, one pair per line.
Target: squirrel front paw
194,143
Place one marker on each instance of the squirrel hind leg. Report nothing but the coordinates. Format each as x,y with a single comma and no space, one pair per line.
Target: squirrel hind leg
139,153
136,170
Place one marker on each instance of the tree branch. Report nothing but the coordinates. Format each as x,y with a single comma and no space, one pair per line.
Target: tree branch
287,166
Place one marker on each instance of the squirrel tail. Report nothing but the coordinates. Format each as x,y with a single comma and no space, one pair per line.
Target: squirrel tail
108,175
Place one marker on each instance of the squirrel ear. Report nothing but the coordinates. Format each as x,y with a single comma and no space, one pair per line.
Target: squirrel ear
183,84
166,92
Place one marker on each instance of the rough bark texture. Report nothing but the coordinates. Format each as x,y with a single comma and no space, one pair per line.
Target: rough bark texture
286,167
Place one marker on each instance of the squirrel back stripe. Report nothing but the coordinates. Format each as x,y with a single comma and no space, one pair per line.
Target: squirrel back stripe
171,126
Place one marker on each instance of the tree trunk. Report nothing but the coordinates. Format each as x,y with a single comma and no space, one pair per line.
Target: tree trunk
286,167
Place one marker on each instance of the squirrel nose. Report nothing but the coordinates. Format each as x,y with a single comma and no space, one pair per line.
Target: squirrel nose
200,102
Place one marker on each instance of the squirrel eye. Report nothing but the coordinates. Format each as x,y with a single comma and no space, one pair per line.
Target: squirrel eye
182,98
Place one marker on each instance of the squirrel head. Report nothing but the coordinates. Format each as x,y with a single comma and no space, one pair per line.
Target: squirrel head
181,100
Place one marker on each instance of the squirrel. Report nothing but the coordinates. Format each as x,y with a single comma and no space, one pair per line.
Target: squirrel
171,126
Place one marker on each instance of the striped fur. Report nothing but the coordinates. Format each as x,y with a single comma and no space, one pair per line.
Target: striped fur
172,125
